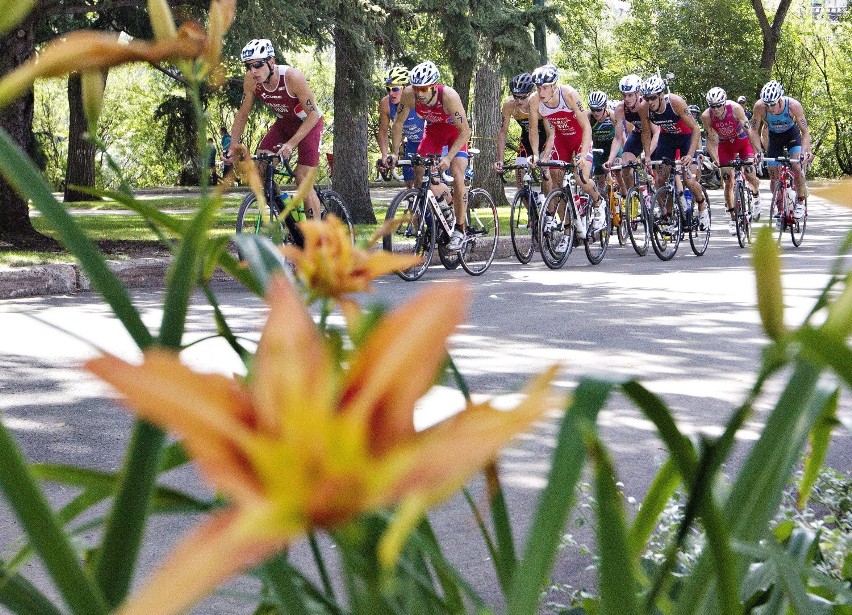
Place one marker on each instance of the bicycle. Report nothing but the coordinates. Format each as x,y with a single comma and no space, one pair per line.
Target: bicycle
784,202
523,225
637,208
743,201
564,214
424,223
672,216
616,203
250,217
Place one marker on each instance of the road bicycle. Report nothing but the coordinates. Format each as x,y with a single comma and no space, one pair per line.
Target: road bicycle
784,202
524,227
251,218
743,201
425,223
637,207
672,216
616,202
565,214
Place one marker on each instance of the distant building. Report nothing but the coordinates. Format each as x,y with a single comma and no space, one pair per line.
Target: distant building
833,8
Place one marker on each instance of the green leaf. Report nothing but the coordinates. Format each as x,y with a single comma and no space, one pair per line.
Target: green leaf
662,488
557,498
828,350
263,257
22,598
285,586
819,439
766,257
506,560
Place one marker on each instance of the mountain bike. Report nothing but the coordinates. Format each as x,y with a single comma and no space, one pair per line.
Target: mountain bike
743,201
251,218
637,208
523,225
672,216
783,202
565,214
425,223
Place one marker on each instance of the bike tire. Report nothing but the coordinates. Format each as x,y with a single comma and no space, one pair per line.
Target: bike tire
699,238
637,221
741,217
481,232
619,220
415,234
596,242
331,203
250,220
778,209
565,225
797,227
665,238
521,226
450,260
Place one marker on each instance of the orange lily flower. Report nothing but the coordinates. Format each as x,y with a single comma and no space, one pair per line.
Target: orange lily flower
330,266
304,444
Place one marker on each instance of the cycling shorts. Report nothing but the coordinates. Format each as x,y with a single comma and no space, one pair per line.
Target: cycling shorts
565,148
669,144
283,130
408,170
790,139
438,136
600,158
728,150
633,144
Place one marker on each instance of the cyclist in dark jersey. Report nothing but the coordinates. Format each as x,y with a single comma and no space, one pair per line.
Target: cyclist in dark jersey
627,144
603,134
412,129
518,106
286,92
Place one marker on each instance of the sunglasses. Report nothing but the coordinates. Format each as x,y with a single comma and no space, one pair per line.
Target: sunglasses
520,96
422,88
717,106
396,88
596,109
258,64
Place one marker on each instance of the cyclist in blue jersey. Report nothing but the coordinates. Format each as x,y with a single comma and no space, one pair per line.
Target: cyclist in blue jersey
412,130
788,128
627,144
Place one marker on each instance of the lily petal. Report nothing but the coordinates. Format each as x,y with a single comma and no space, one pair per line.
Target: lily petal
397,364
213,552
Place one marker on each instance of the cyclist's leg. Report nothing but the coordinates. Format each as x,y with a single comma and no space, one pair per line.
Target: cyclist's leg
408,172
458,167
308,160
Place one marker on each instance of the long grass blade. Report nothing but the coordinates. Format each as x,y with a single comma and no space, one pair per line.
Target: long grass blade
22,598
662,488
819,439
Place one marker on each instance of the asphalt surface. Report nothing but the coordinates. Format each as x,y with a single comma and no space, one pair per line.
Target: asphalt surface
687,328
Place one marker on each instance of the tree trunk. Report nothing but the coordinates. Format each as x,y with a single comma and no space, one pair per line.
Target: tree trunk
487,116
462,77
771,32
17,120
80,170
353,61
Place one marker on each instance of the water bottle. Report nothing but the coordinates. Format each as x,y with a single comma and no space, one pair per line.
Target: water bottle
446,210
791,197
285,202
687,201
580,200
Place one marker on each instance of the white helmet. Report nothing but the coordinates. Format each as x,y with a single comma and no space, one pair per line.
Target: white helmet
545,75
630,83
716,97
597,100
653,85
425,73
257,49
771,92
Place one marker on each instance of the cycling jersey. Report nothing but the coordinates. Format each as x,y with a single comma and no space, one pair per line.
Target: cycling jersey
603,134
523,120
412,129
634,118
290,114
669,121
569,133
440,130
780,122
728,127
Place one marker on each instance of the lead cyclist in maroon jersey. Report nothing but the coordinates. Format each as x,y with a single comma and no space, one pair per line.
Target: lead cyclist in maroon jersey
286,92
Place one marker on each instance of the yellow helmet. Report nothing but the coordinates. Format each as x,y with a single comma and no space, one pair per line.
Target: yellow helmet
397,75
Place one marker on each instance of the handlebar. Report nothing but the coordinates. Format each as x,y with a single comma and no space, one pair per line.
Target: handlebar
416,160
555,164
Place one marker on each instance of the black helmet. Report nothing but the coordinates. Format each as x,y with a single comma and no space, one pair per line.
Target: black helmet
521,84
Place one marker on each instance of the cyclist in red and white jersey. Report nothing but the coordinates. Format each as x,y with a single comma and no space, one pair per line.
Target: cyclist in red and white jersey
572,142
286,92
446,134
728,136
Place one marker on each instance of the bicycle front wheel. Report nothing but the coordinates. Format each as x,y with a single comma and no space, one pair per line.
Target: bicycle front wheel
778,208
596,241
665,231
556,230
252,219
331,203
481,232
636,221
522,228
415,233
742,217
619,218
699,238
797,227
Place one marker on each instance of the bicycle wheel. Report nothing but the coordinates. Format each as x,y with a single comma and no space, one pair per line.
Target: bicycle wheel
699,238
741,217
619,219
778,209
250,219
481,232
665,232
563,229
450,260
521,228
797,227
332,203
597,241
636,221
414,235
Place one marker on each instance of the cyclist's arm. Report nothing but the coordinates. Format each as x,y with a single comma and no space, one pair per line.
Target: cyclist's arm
798,114
384,127
679,107
504,129
453,106
647,134
406,102
712,136
242,114
535,118
298,85
620,132
742,118
573,99
758,115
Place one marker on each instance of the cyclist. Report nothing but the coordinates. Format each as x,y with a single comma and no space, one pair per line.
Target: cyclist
446,134
412,128
286,92
788,128
572,140
728,136
603,134
627,144
742,102
518,106
679,133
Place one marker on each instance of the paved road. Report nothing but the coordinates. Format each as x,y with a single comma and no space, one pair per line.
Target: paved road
687,328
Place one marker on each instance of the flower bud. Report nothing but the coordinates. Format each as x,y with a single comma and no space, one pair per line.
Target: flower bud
162,20
92,86
767,274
